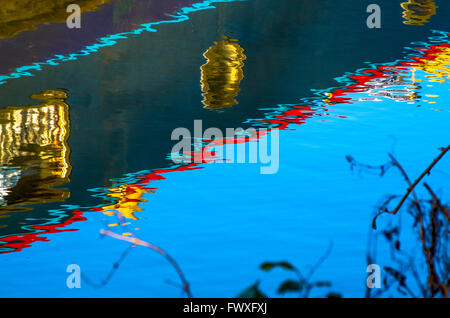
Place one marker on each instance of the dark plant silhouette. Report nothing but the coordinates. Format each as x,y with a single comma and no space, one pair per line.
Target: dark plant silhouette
429,222
302,285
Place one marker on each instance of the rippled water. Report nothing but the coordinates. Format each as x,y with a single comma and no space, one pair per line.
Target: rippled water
87,115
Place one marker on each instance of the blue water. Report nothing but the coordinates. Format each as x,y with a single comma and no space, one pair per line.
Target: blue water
222,221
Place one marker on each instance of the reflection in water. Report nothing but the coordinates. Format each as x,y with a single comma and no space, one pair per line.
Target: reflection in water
19,16
394,81
435,63
222,73
34,154
395,86
128,197
418,12
401,82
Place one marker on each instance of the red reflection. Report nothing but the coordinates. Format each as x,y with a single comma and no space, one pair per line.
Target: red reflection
295,115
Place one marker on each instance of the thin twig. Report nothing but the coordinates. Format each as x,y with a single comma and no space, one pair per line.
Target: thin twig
136,241
112,271
411,187
320,261
430,251
443,208
315,267
405,175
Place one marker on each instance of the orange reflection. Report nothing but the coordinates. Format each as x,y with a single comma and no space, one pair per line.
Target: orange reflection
128,198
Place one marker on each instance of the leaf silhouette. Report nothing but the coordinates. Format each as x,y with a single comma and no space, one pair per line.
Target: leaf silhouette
322,284
252,292
267,266
290,286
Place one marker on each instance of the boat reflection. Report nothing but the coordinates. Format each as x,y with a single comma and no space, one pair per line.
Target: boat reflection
418,12
222,73
34,154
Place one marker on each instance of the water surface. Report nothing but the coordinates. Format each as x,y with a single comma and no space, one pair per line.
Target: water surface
86,126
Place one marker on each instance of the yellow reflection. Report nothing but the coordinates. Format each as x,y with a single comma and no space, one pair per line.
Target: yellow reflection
129,196
19,16
437,65
418,12
222,73
34,154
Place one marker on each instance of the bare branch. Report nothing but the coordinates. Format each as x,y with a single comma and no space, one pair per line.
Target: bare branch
411,187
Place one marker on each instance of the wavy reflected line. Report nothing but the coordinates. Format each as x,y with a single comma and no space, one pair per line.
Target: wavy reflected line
34,161
381,77
110,40
129,193
397,81
17,17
